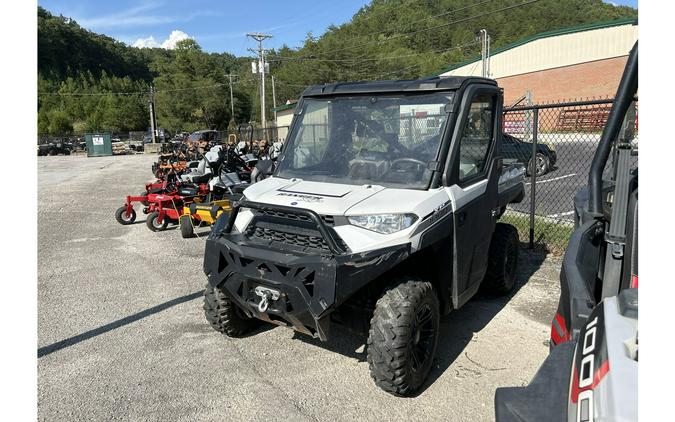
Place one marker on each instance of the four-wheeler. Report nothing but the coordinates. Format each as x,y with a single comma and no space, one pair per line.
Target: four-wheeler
591,372
384,205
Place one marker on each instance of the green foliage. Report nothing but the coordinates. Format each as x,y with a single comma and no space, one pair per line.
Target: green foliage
90,82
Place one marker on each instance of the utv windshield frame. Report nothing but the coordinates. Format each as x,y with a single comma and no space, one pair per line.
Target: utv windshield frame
433,165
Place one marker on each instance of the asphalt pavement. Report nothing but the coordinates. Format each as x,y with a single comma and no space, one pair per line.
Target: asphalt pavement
555,190
122,336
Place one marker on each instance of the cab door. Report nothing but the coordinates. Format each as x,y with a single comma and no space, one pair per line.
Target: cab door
471,179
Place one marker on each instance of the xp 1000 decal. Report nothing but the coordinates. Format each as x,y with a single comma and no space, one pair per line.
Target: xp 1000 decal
590,366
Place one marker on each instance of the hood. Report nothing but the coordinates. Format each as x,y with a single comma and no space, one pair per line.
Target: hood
322,198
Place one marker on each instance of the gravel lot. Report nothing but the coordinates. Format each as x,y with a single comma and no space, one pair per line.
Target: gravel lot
121,334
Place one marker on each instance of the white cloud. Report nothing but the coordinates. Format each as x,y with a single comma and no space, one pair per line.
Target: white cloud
174,37
169,43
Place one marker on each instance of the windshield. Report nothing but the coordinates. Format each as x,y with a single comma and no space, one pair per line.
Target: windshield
386,140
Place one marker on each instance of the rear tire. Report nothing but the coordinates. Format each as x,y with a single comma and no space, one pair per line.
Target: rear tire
403,337
502,268
223,314
186,229
122,217
153,224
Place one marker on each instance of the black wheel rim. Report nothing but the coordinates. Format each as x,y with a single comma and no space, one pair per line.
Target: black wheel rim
423,334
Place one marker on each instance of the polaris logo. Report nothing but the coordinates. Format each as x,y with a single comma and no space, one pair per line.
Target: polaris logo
301,197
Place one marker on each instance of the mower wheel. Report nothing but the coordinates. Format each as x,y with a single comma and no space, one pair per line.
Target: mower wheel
186,229
403,336
122,217
223,314
155,225
500,276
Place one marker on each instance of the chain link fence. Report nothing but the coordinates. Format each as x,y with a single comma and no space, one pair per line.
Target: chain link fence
556,144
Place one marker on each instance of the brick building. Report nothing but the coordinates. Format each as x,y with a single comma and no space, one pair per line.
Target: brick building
565,64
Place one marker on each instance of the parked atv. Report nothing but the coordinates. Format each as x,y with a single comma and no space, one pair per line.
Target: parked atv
591,372
383,206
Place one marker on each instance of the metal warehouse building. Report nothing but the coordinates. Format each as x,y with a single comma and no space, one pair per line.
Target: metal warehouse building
556,66
565,64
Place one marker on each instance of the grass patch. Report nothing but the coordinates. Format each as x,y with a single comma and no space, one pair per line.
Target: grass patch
550,234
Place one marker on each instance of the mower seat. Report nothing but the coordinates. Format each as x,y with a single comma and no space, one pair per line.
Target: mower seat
188,191
202,178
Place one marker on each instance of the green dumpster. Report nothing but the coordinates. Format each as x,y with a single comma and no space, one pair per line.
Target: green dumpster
98,144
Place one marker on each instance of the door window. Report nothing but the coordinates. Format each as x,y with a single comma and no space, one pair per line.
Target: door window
476,138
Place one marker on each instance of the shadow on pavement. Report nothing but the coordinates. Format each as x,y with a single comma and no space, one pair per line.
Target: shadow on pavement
456,330
45,350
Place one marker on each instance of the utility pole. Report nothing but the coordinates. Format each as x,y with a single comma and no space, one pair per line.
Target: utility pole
153,120
230,75
485,52
489,39
261,69
274,100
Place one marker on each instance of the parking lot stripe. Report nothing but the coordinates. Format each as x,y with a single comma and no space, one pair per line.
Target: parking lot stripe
554,179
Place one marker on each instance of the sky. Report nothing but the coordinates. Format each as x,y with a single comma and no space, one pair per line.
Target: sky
218,26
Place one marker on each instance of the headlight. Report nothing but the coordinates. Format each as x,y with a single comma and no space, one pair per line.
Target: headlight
383,223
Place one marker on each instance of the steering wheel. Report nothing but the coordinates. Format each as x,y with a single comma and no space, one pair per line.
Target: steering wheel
415,161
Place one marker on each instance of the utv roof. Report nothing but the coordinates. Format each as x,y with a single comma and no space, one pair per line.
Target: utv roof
436,83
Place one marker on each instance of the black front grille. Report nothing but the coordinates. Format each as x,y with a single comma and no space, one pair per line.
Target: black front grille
327,219
294,239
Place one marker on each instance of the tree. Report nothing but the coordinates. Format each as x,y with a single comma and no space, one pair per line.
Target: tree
59,123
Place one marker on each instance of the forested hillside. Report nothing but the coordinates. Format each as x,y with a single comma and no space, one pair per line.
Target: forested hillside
92,82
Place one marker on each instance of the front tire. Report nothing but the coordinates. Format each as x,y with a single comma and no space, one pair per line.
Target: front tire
500,276
403,337
122,217
153,223
541,164
223,314
186,228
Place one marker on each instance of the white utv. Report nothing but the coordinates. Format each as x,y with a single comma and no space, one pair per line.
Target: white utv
384,204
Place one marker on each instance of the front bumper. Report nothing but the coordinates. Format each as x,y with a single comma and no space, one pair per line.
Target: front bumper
310,285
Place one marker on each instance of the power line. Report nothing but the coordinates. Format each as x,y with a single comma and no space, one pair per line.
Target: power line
397,36
430,17
91,93
386,30
375,59
192,88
